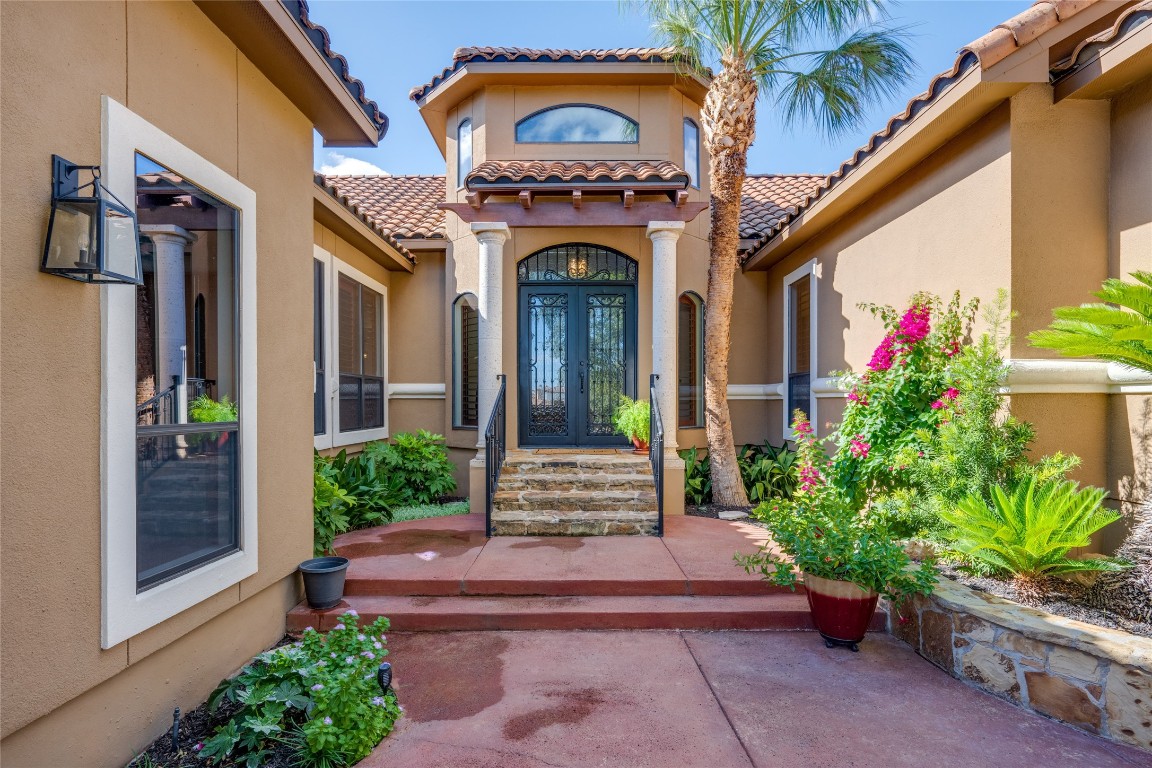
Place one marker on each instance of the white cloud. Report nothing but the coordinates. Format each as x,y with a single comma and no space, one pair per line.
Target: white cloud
342,165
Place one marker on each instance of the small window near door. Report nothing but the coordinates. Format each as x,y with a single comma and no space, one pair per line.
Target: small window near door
690,360
361,356
463,151
692,151
799,342
465,362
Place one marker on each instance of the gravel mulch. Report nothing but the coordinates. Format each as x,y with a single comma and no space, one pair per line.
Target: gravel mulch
1066,600
713,510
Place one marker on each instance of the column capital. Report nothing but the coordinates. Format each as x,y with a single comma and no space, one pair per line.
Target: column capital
491,231
665,230
168,233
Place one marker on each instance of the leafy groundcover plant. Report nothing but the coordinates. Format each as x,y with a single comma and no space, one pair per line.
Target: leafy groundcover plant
318,695
822,531
416,465
767,471
1028,529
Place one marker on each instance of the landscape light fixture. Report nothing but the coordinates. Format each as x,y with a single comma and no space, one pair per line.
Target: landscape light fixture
92,236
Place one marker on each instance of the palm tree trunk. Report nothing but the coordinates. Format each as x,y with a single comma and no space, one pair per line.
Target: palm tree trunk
728,121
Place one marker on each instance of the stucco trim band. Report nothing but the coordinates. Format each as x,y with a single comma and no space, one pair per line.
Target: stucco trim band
424,391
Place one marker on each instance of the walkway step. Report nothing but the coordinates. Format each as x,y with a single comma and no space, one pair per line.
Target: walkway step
357,585
448,614
575,501
599,482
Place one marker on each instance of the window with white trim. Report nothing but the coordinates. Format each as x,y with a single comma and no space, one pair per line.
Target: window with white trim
692,151
350,323
799,343
690,360
463,151
178,481
465,362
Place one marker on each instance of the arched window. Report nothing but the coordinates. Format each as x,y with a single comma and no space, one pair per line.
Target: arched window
577,124
463,151
690,360
692,151
465,362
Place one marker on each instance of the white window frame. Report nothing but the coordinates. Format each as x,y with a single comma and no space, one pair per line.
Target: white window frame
461,171
698,345
333,437
124,612
807,271
694,172
458,362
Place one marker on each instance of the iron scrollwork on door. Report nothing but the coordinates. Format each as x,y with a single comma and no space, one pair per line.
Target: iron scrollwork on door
577,263
547,363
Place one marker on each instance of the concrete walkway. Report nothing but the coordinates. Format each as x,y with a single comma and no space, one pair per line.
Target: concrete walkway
708,699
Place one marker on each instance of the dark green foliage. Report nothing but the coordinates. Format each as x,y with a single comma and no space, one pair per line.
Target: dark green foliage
319,694
206,410
697,476
768,472
330,504
416,465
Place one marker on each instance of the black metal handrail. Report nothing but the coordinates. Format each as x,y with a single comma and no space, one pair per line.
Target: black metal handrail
495,444
656,450
160,408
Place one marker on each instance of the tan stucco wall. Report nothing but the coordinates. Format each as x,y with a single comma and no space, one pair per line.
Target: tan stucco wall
224,109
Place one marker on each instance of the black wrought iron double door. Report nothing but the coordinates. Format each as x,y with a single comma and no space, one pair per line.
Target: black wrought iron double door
577,357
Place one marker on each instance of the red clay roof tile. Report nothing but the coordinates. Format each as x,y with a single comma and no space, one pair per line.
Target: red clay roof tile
401,206
578,171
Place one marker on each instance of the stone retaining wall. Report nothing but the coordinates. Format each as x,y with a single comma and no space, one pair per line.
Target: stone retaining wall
1097,679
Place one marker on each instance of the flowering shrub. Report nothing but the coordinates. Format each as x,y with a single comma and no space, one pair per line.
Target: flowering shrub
896,405
822,531
319,694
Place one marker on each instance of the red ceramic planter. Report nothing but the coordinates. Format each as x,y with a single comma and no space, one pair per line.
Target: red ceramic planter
641,446
840,609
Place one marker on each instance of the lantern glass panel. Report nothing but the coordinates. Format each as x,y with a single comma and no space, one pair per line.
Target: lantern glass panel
73,232
121,256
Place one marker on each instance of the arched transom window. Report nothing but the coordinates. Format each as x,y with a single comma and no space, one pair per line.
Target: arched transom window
577,124
576,262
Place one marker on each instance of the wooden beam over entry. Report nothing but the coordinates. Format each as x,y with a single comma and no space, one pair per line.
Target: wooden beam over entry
565,214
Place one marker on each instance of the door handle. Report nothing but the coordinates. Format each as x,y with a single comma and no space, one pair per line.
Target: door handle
581,377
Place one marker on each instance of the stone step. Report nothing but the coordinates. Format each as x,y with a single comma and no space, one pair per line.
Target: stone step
575,501
598,482
448,614
586,465
573,524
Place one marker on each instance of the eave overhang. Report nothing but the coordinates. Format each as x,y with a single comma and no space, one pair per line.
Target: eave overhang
377,245
1099,68
271,38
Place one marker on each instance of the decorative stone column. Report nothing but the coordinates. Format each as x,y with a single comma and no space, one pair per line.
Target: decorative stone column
171,332
664,235
491,237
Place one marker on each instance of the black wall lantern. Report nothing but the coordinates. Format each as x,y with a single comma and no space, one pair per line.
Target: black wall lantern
92,238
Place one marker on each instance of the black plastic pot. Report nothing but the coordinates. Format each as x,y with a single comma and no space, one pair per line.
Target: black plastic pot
324,580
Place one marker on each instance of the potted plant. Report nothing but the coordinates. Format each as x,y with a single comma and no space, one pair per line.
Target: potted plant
847,558
632,419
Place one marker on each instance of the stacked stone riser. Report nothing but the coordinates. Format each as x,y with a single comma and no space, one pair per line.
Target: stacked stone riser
599,495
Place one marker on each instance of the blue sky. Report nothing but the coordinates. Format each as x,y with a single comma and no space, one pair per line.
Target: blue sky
394,45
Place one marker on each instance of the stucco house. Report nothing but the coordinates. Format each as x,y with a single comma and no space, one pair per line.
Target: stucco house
145,557
575,188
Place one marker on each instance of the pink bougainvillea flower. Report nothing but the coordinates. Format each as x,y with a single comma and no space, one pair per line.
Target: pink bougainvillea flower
915,325
804,427
856,397
951,393
859,448
937,405
884,354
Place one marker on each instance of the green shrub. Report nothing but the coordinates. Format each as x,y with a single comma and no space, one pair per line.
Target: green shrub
376,490
633,419
697,476
205,410
416,465
768,472
330,505
319,694
1028,529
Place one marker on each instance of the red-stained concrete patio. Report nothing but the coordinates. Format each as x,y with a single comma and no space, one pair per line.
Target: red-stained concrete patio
707,700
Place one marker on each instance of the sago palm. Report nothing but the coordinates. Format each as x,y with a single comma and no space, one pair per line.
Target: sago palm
1028,530
772,48
1119,331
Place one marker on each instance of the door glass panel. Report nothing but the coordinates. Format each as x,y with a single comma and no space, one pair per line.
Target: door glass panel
547,339
349,325
607,362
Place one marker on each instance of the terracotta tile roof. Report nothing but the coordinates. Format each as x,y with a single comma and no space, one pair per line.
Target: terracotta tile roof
400,206
1023,28
563,171
984,52
768,199
463,56
1130,19
319,37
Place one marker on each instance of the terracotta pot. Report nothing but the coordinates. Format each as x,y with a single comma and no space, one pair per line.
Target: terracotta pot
841,610
641,445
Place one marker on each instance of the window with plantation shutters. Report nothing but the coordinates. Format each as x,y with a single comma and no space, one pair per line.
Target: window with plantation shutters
466,360
690,360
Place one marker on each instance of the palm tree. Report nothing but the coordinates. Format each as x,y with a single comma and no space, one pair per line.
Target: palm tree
1119,334
770,47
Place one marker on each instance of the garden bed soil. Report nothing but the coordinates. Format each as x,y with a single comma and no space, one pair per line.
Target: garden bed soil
196,727
1067,600
713,510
